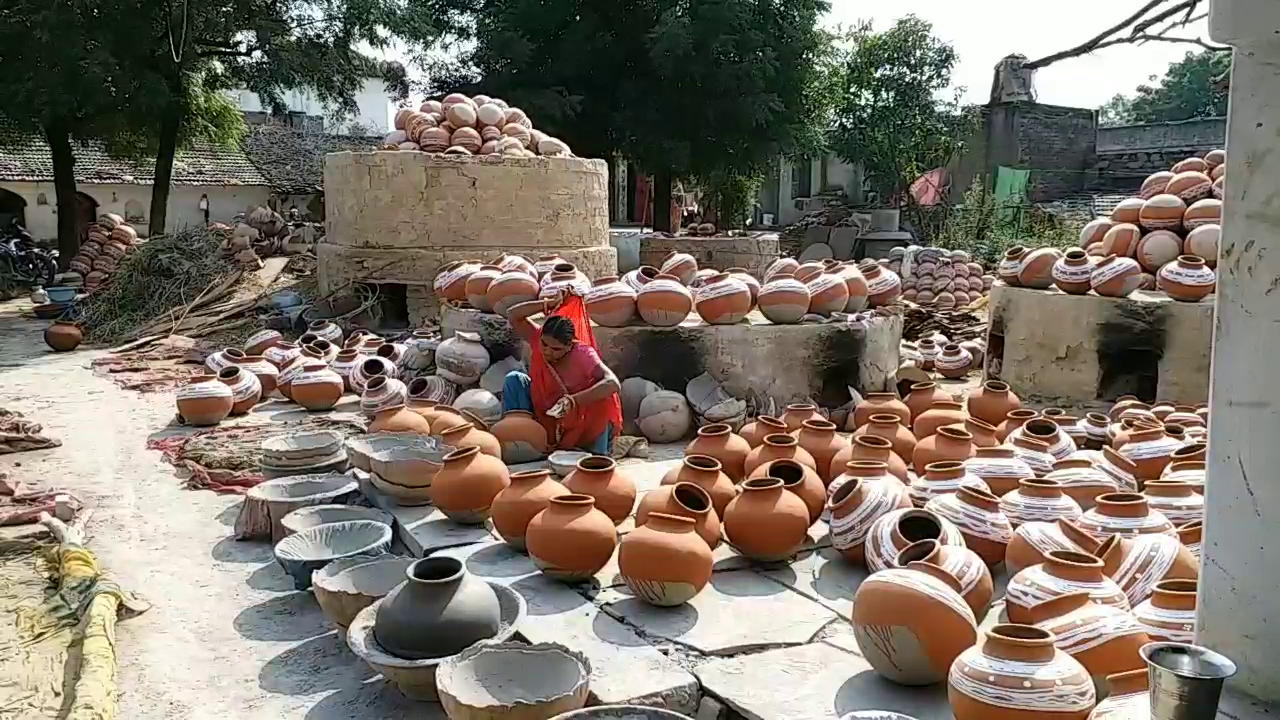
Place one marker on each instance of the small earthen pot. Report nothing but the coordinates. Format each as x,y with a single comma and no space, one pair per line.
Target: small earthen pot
1169,615
872,448
1063,572
942,478
1082,481
951,442
972,576
1192,535
1116,276
314,386
799,479
1071,272
1032,542
766,522
1125,514
687,500
859,498
571,540
1016,673
599,477
718,440
466,434
977,513
516,505
664,301
664,562
522,438
797,413
722,300
1128,697
1104,639
1138,563
984,434
783,299
922,397
819,438
999,467
755,431
778,446
63,336
877,404
1013,420
246,391
204,400
1039,500
889,428
707,473
467,484
895,530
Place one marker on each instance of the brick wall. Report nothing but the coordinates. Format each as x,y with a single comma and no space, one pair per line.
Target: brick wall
1127,154
1059,145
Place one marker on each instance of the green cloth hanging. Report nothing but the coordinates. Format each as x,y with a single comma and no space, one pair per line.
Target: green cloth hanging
1010,191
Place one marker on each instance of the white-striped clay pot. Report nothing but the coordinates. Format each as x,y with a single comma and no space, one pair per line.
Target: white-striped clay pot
1016,673
986,530
1125,514
1169,615
1063,572
1039,500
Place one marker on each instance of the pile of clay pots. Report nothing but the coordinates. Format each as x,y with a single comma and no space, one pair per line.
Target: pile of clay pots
951,360
1096,519
110,239
461,125
1165,238
945,279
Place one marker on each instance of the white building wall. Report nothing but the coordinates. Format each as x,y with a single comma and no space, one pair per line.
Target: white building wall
372,101
839,173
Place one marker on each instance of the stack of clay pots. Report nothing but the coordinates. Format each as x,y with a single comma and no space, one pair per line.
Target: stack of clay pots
945,279
479,125
1165,238
110,239
936,353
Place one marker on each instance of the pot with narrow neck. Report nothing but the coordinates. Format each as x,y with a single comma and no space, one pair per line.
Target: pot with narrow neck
438,611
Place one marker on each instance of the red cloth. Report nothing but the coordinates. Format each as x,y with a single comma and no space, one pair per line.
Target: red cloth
583,423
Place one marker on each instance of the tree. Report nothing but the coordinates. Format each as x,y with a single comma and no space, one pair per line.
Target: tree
1115,111
891,120
1195,87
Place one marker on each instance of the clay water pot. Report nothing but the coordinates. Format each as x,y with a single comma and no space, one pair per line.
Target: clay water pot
1071,272
869,447
746,278
462,359
976,512
282,353
612,488
1191,535
766,522
265,372
1169,615
778,446
953,361
1188,278
857,499
819,438
1093,427
1150,450
515,506
892,532
1191,472
922,397
1038,500
828,293
440,610
1118,468
948,443
546,263
722,300
1196,451
718,440
510,288
809,270
477,285
258,342
686,500
1013,420
783,299
1102,638
521,438
571,540
1063,572
911,623
781,265
856,285
1177,501
755,431
246,391
941,478
883,285
466,434
204,400
1060,445
984,434
370,367
877,404
664,562
664,301
316,387
348,359
326,330
1125,514
797,413
1137,563
1033,541
1016,673
1116,276
1127,698
707,473
680,265
891,429
610,302
799,479
1082,481
63,336
385,400
999,467
1010,265
466,485
1034,453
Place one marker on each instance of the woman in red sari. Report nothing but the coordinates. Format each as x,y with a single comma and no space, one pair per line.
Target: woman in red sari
568,388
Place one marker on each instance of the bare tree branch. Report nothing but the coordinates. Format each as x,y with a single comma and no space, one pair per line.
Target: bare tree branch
1136,30
1089,45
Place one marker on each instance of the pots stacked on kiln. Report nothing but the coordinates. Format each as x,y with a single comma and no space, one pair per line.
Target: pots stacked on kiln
945,279
461,125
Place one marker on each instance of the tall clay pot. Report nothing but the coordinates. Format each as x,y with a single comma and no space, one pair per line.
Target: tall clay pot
973,579
438,611
755,431
1039,500
467,484
1081,481
1016,673
1104,639
948,443
466,434
686,500
888,427
1126,514
992,402
1169,615
766,522
892,532
571,540
819,438
705,472
999,467
204,400
600,477
865,494
778,447
664,562
1012,420
941,478
796,413
872,448
1063,572
976,512
877,404
246,391
799,479
939,414
922,396
515,506
521,438
718,440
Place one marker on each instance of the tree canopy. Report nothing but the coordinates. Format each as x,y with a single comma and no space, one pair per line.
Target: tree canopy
1197,86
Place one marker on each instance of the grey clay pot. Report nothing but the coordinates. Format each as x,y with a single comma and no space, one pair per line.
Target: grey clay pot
439,611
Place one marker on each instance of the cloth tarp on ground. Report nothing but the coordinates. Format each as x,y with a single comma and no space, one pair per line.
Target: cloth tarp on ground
19,435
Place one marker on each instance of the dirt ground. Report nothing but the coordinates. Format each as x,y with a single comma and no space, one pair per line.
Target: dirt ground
227,637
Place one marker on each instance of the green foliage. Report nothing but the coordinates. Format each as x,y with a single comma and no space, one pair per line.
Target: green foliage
1115,111
733,195
892,119
984,229
1194,87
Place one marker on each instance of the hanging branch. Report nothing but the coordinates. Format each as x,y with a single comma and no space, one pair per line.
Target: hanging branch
1136,29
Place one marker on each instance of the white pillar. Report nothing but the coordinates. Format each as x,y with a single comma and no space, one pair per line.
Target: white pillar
1239,600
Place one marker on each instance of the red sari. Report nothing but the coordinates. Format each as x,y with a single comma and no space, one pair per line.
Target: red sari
584,423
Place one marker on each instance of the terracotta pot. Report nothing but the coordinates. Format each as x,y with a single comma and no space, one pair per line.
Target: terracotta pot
664,301
953,361
877,404
819,438
809,270
1127,697
508,262
984,434
1177,501
1082,481
521,438
510,289
368,369
1169,615
546,263
1060,445
891,429
610,302
1189,279
799,479
707,473
322,350
828,293
515,506
1125,514
664,562
718,440
466,434
1149,448
856,285
462,359
571,540
1072,271
466,485
258,342
1118,468
892,532
1033,541
1115,276
922,397
1093,428
911,623
1196,451
783,299
600,477
883,285
1016,673
1063,572
868,447
1009,267
392,417
477,285
345,363
204,400
686,500
755,431
1014,419
439,611
265,372
1138,563
722,300
680,265
971,574
797,413
1191,535
326,330
1104,639
1038,500
976,512
1034,453
999,467
282,353
952,443
781,265
246,391
746,278
778,446
63,336
766,522
857,499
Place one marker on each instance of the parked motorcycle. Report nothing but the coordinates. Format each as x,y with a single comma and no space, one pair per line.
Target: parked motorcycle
25,264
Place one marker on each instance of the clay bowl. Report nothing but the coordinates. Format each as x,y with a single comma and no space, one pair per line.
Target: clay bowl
400,494
512,680
301,448
621,712
345,587
361,448
281,496
336,463
413,467
305,518
416,679
564,462
303,553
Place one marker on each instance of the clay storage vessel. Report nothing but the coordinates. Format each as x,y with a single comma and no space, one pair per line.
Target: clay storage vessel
1060,445
877,404
722,300
1177,501
892,532
611,302
1033,541
718,441
1016,673
1127,697
465,487
686,500
1126,514
922,397
857,500
1169,615
707,473
951,443
522,438
890,428
1012,420
819,438
766,522
999,467
796,414
778,446
783,299
1082,481
1104,639
529,493
1038,500
246,391
972,576
755,431
664,301
976,512
204,400
664,562
942,478
872,448
439,610
1063,572
571,540
1138,563
600,477
800,480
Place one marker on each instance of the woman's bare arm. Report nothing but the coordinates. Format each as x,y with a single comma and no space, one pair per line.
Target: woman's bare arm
518,315
603,388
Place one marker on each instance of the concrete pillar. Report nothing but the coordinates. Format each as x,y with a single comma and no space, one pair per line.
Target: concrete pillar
1239,603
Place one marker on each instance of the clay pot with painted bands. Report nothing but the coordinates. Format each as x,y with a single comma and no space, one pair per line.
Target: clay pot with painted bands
1016,673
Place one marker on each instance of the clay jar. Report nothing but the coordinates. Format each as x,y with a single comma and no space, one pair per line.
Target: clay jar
686,500
476,287
345,363
828,293
895,530
948,443
799,479
680,265
797,413
1138,563
265,372
1176,500
1038,500
510,289
204,401
571,540
743,276
258,342
664,301
984,434
600,477
877,404
972,577
381,394
1032,542
514,507
610,302
766,522
1071,272
521,438
1149,448
1008,268
783,299
1188,279
1169,615
722,300
1058,443
1128,697
396,417
911,623
718,441
1016,673
778,447
755,431
439,611
1104,639
245,388
941,478
819,438
976,512
466,434
999,467
860,498
1116,276
922,397
63,336
369,368
1081,481
891,429
466,485
315,387
883,285
705,472
1063,572
664,562
869,447
1125,514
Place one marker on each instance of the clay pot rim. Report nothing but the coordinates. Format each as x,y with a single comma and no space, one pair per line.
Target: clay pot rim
704,497
573,500
795,468
1053,412
1178,586
714,430
1022,414
597,464
820,425
773,420
1036,445
1015,252
1192,260
922,342
648,271
868,465
1004,451
1073,462
844,492
461,453
564,267
983,424
874,441
1193,525
475,420
1127,683
435,570
1126,499
785,440
377,367
884,419
918,551
801,406
1074,558
945,467
1190,449
1098,417
518,413
954,432
927,385
666,276
1024,635
985,496
229,372
319,324
996,386
420,383
604,280
530,474
1040,427
889,395
1187,465
1076,254
320,344
387,347
1040,483
698,461
375,382
1167,484
947,405
761,483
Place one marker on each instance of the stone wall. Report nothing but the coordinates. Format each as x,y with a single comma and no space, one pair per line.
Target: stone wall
754,252
1058,144
1127,154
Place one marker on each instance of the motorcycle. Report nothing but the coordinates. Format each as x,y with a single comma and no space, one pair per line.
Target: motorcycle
23,263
